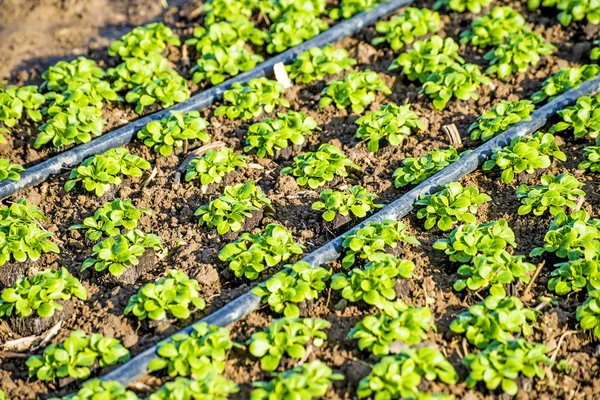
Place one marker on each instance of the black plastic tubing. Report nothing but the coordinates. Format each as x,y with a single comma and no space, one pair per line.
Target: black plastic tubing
121,136
247,303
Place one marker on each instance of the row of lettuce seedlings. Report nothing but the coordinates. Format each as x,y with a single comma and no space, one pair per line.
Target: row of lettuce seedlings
481,248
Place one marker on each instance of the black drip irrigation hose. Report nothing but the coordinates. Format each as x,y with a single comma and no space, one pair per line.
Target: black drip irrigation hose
248,302
121,136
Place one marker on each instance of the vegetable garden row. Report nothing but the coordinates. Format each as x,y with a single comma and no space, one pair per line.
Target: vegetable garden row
489,288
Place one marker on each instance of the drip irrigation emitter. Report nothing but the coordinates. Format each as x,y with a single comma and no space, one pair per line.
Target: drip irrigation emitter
121,136
248,302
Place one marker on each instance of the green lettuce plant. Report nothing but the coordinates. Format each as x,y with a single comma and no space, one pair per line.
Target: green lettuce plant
144,41
252,253
574,276
555,194
375,283
416,170
527,154
495,318
173,295
225,10
15,100
461,6
564,80
276,9
110,218
460,81
400,375
289,336
588,313
407,26
592,154
317,168
492,28
356,89
273,134
376,333
500,363
571,10
9,170
349,8
291,286
214,165
222,62
134,72
228,211
96,389
293,28
236,32
471,240
212,386
499,118
122,251
371,240
583,118
249,100
453,204
307,381
426,56
40,294
316,63
98,173
173,131
517,53
391,123
355,200
167,89
75,356
203,350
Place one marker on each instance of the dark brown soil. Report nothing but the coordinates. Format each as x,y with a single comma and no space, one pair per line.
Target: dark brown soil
193,249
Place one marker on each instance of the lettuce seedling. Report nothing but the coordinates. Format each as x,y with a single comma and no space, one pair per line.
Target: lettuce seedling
453,204
356,89
375,283
416,170
22,236
16,100
236,32
225,10
461,6
583,118
217,64
316,63
214,165
406,27
564,80
378,332
592,153
570,10
110,218
555,194
288,336
173,130
40,294
212,386
275,9
293,28
9,170
460,81
527,154
499,118
317,168
95,389
588,313
500,363
521,50
307,381
228,211
472,240
391,123
349,8
144,41
399,376
426,56
249,100
134,72
493,271
167,89
75,356
495,318
122,251
355,200
492,28
173,295
98,173
372,239
574,276
294,285
251,254
193,354
273,134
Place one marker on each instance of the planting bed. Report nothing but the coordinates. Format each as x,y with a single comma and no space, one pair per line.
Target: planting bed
194,249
